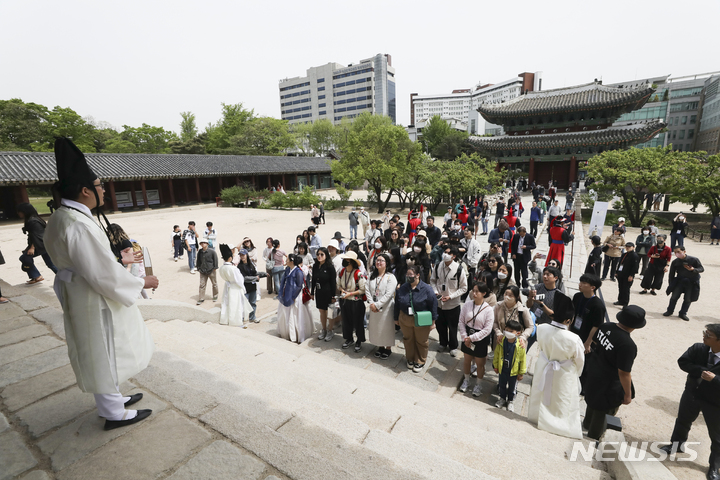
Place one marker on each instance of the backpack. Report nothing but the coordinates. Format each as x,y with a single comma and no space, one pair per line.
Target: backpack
356,276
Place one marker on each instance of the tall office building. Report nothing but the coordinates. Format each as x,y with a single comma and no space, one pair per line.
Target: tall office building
334,91
708,138
459,108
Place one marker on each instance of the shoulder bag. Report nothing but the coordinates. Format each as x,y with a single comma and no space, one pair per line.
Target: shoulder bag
422,319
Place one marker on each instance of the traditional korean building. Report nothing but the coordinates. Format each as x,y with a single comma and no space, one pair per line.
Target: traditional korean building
550,134
147,180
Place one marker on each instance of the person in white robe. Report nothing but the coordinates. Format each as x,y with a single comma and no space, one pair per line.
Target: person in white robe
555,395
380,292
294,317
106,335
233,311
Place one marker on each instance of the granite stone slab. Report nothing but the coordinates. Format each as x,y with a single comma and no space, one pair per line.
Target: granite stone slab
24,393
220,461
22,334
15,458
53,318
10,310
29,303
30,366
18,351
55,410
15,323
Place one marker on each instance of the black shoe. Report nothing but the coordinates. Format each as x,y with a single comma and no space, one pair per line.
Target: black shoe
652,292
134,399
684,317
667,314
379,352
347,343
713,475
668,448
618,303
385,354
613,279
644,292
141,415
357,346
603,278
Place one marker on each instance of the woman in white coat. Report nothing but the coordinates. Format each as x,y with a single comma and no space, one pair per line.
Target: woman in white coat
232,311
555,395
293,316
380,293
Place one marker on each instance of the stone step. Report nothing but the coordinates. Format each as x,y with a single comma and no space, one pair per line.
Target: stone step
233,354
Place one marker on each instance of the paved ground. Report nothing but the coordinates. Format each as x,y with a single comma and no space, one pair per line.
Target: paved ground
42,409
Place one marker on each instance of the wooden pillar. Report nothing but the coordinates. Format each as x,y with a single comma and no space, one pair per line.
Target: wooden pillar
220,184
269,182
284,182
307,177
113,199
197,189
531,171
144,192
132,193
572,175
172,193
254,180
237,181
24,194
187,189
297,183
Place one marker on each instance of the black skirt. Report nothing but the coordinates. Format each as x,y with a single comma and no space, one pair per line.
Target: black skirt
479,350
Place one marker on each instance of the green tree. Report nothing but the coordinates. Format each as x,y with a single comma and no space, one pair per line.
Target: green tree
188,129
232,123
453,145
322,137
377,152
65,122
23,126
262,136
300,133
195,145
701,181
148,139
632,174
435,131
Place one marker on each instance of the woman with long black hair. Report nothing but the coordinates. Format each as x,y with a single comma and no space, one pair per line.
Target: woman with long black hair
34,227
323,286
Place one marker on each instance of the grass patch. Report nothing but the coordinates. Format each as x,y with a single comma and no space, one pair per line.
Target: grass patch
40,204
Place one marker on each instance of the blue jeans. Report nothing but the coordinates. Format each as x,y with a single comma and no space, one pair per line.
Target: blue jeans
353,232
676,239
542,218
178,248
252,298
507,384
28,265
484,225
192,254
277,273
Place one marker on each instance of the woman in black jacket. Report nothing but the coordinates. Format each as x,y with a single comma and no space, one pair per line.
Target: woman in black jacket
34,227
250,276
322,290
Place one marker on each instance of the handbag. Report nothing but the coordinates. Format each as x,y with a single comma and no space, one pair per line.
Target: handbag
422,319
605,248
305,292
471,331
269,264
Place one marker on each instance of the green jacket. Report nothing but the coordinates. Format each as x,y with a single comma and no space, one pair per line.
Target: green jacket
519,364
543,206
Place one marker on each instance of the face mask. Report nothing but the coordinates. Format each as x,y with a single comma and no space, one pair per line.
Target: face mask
645,232
679,255
417,249
447,257
345,263
509,299
378,245
509,335
456,227
502,276
410,279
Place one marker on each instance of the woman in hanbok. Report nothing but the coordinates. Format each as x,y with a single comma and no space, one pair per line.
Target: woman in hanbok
232,311
555,396
293,316
380,294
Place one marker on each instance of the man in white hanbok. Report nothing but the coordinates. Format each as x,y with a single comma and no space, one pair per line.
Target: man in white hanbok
555,396
232,311
107,339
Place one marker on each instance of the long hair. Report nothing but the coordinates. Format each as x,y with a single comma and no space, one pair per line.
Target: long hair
28,212
387,265
116,234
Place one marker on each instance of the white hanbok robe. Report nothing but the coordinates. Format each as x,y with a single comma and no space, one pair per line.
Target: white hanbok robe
555,396
232,309
295,323
381,325
106,335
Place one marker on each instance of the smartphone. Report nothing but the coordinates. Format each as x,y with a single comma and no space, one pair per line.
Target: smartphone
543,255
540,296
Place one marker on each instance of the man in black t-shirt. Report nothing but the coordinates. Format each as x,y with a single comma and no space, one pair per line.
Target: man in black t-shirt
607,380
499,211
589,310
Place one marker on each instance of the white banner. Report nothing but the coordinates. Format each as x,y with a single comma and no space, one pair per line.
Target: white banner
598,219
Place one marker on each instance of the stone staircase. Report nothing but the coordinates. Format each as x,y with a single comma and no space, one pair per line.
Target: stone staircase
311,416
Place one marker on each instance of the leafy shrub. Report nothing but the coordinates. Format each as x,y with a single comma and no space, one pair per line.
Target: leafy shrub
306,198
233,195
276,200
358,203
333,203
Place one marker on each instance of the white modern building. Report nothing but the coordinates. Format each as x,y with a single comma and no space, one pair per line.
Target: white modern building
459,108
334,91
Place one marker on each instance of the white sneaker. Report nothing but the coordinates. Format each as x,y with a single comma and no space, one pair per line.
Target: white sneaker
477,390
410,365
473,370
454,353
192,270
463,388
244,325
500,403
329,335
176,259
510,407
322,334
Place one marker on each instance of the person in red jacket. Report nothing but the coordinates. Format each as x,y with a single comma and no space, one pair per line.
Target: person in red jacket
559,236
463,217
660,256
413,224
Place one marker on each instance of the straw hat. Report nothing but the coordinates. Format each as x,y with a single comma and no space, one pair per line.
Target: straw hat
350,255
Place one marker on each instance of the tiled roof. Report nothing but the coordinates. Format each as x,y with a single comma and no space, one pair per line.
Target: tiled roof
39,167
619,136
591,96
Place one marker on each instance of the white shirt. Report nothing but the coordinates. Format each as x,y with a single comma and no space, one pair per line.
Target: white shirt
77,206
521,242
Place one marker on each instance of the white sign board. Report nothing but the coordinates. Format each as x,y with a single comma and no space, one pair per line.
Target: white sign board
598,219
124,199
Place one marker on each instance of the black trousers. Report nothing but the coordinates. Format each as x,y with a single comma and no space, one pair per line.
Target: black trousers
353,319
682,288
653,278
595,421
623,289
610,263
688,411
533,228
521,270
447,327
